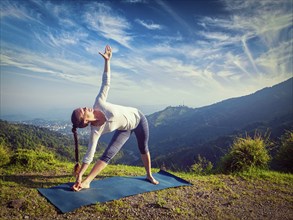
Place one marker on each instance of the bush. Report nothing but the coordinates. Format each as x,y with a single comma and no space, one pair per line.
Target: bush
284,157
246,153
33,160
202,166
5,155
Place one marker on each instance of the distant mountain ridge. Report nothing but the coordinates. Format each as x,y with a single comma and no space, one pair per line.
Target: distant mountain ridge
177,128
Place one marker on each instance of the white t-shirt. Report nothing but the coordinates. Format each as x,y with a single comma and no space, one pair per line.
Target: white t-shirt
117,118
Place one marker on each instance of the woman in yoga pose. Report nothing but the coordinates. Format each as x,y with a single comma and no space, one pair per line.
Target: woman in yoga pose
105,117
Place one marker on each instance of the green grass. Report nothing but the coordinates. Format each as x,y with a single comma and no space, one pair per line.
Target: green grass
249,194
272,176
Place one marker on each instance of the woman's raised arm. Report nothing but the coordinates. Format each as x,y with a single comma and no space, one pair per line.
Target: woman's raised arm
107,56
102,96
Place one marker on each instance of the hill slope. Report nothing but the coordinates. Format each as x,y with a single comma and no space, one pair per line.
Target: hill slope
194,126
16,136
176,128
22,136
185,132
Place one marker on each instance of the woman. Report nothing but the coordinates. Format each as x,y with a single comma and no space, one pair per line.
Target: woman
105,117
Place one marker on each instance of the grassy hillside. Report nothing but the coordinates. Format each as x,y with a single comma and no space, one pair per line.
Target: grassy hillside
16,136
254,195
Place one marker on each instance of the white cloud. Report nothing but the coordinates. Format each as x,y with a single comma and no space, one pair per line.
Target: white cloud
253,18
42,66
102,19
61,12
261,5
150,25
237,61
13,9
215,36
92,47
59,68
248,53
226,54
251,25
278,60
169,38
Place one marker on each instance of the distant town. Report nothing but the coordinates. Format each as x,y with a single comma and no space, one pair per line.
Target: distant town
63,127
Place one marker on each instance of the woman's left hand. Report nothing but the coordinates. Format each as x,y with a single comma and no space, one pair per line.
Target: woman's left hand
77,184
107,54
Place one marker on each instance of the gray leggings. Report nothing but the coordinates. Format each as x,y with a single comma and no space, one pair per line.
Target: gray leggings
121,136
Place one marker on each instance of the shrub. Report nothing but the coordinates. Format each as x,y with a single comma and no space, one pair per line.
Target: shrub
33,160
246,153
284,157
202,166
5,155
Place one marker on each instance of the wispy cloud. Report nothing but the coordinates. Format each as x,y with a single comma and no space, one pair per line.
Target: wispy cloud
60,68
103,20
237,61
166,7
247,52
134,1
149,25
278,60
66,38
169,38
251,22
248,48
13,9
57,68
215,36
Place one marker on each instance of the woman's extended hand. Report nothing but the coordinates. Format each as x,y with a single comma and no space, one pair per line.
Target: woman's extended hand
76,187
77,184
107,54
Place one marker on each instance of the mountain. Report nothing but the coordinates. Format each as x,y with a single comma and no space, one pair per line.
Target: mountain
182,132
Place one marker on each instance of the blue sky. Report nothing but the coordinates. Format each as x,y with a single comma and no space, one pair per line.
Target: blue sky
165,53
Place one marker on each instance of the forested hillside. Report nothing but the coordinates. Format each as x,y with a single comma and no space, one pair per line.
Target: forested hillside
179,134
16,136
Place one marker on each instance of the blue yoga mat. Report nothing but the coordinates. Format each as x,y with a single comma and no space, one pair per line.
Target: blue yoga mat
66,200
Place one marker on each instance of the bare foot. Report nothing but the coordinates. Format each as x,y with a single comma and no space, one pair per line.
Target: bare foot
85,185
152,180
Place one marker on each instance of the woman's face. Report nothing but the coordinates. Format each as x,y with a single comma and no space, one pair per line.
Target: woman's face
78,117
87,114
